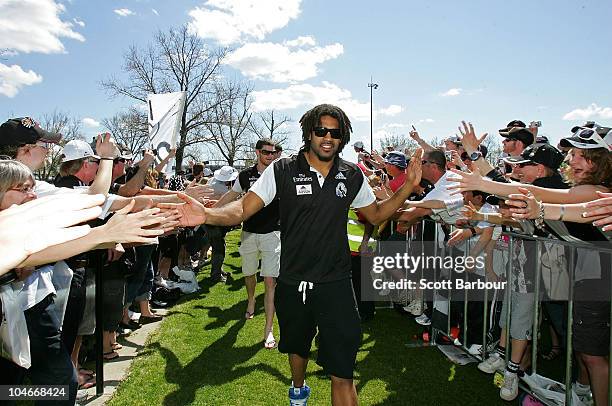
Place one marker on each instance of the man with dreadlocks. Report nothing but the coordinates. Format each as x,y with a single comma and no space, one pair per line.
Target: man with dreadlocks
315,189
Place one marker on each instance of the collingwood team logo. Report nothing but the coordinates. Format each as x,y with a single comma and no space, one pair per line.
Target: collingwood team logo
341,190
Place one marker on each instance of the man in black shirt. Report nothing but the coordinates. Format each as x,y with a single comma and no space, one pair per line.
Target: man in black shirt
260,238
315,189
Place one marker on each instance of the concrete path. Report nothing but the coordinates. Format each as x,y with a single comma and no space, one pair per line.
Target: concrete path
116,371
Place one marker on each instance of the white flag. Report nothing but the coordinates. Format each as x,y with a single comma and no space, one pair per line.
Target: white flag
165,114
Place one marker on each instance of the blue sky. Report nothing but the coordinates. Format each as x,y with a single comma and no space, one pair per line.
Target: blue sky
435,62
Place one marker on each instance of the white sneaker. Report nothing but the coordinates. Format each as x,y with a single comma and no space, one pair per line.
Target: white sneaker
585,396
509,390
475,349
423,320
492,364
162,282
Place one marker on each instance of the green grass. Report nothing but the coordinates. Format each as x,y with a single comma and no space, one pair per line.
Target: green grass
205,353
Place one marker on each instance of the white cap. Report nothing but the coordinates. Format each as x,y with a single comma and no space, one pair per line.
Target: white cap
207,172
358,144
226,174
77,149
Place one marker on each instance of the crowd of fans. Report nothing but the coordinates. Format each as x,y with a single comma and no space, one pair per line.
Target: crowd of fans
108,211
535,189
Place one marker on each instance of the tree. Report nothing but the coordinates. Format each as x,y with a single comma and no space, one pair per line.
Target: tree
129,128
229,122
70,128
176,60
268,126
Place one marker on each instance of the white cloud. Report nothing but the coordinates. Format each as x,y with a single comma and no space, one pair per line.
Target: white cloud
90,122
391,111
13,78
78,22
455,91
155,11
232,21
34,26
426,121
282,62
308,95
394,125
300,41
123,12
591,111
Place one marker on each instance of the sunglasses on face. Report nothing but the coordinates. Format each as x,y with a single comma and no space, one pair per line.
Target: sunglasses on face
119,160
322,132
425,161
266,152
524,164
93,161
508,139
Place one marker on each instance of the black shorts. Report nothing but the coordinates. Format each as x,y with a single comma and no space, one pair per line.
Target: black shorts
591,320
591,328
331,308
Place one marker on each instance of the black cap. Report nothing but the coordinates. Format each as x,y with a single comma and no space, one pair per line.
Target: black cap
542,153
23,131
542,139
512,124
578,140
521,134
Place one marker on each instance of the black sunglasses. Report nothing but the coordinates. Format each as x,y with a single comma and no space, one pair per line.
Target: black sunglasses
266,152
335,133
524,164
117,160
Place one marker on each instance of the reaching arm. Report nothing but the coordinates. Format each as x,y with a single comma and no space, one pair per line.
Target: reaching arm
422,143
470,143
474,181
428,204
106,150
160,166
228,197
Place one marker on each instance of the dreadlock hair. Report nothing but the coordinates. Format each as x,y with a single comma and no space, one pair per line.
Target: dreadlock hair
312,119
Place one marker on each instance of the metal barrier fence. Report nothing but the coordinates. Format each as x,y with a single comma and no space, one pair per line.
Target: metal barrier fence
415,237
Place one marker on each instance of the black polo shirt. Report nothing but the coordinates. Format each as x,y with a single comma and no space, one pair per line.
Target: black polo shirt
267,219
313,212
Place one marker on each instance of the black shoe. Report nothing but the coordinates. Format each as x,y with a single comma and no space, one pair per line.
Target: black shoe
123,331
218,278
132,325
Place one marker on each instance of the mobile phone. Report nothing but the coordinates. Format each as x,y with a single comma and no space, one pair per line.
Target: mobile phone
448,155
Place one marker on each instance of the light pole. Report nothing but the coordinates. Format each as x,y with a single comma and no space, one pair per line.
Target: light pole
372,86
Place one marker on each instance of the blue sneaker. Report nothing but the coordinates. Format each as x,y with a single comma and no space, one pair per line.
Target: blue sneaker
299,396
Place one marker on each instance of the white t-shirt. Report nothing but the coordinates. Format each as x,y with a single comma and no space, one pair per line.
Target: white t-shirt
265,188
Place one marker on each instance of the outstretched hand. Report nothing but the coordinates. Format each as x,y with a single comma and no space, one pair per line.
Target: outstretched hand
468,137
601,207
42,223
465,181
523,205
191,212
414,171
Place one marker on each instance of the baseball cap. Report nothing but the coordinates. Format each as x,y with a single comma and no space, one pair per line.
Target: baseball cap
396,158
455,139
226,174
542,139
519,133
77,149
589,138
24,130
358,144
541,153
207,172
512,124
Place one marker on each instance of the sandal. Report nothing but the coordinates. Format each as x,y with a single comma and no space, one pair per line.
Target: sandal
116,346
270,342
249,315
84,371
554,352
111,355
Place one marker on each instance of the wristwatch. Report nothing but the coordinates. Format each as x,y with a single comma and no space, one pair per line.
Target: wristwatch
475,156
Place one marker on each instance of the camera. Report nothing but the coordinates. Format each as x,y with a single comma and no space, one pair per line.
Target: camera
535,124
